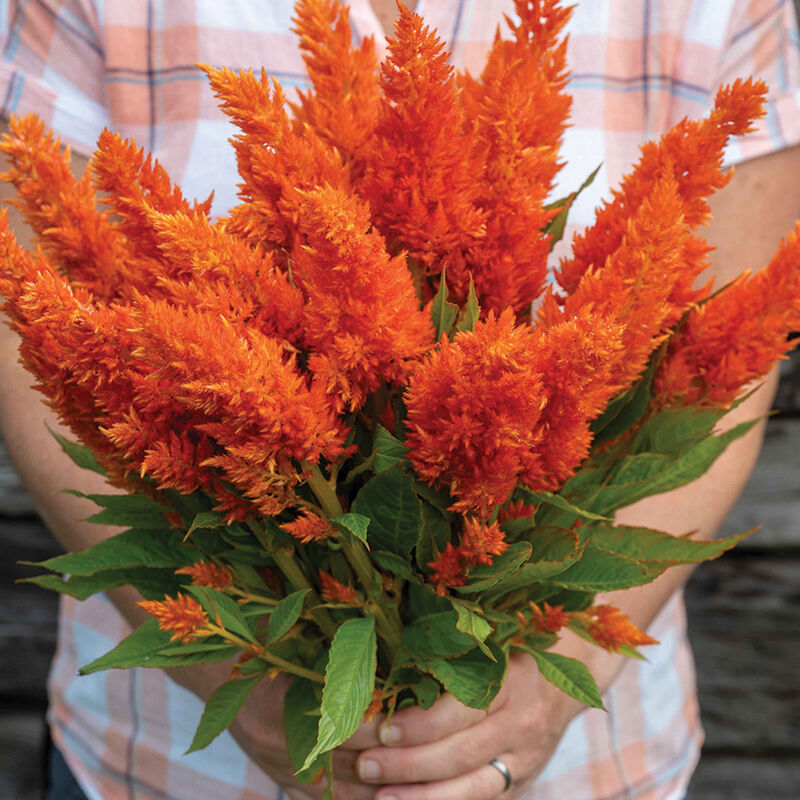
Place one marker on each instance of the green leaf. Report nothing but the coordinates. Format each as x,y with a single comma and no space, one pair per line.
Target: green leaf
355,524
392,506
394,564
127,510
134,548
206,519
658,548
221,709
472,310
473,625
387,450
436,636
601,570
484,577
471,678
133,651
223,610
443,313
152,583
569,675
426,691
301,714
286,613
674,431
349,681
81,455
556,500
558,223
434,536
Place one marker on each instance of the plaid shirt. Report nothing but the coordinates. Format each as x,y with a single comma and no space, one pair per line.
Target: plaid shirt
637,68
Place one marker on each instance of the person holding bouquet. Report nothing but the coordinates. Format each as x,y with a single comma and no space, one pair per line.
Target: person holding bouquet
83,65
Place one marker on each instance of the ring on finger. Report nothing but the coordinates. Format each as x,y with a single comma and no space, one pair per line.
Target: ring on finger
503,770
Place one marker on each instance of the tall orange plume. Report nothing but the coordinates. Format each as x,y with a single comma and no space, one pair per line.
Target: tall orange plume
694,149
343,107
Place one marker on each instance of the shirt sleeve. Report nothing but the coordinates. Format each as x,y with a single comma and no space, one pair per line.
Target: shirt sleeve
763,42
53,64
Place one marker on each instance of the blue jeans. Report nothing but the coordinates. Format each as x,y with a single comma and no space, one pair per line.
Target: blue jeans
61,784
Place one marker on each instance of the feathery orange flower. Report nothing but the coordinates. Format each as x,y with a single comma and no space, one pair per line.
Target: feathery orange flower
479,542
309,527
549,618
694,149
422,162
473,412
277,161
80,239
612,629
332,591
519,509
448,569
343,107
362,323
519,110
207,573
182,615
736,336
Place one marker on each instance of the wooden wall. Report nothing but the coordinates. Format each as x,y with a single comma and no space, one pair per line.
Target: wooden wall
743,612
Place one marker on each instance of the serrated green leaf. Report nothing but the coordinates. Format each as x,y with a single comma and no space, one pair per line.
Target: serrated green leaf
285,614
355,524
349,681
134,650
471,678
658,548
80,455
127,510
443,314
473,625
133,548
601,570
153,584
556,500
206,519
674,431
436,636
221,709
223,611
569,675
387,450
472,310
484,577
394,511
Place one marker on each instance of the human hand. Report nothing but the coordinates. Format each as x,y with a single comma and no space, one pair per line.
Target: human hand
443,753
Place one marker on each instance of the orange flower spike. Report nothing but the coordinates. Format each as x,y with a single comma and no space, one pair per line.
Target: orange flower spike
695,149
479,542
309,527
550,618
375,705
182,615
612,629
216,272
276,161
343,107
207,573
362,320
479,450
448,569
334,592
422,163
519,509
736,336
134,183
80,240
519,109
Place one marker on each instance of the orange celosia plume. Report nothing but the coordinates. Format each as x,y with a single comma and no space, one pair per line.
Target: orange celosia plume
694,149
332,591
734,337
182,615
612,629
207,573
309,527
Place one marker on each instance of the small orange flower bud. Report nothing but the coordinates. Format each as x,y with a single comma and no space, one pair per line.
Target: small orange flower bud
183,615
612,629
206,573
335,592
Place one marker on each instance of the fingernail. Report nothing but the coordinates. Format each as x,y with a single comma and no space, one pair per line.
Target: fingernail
368,770
390,734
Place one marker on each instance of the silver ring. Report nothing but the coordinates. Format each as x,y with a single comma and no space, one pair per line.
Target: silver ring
503,770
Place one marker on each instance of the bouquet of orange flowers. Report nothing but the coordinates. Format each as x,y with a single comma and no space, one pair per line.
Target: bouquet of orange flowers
350,456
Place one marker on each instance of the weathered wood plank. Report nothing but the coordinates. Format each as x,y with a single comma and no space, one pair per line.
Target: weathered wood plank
736,777
22,753
14,500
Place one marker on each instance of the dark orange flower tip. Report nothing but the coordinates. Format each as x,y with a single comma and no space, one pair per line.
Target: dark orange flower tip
207,573
182,615
549,618
333,591
612,629
309,527
448,569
